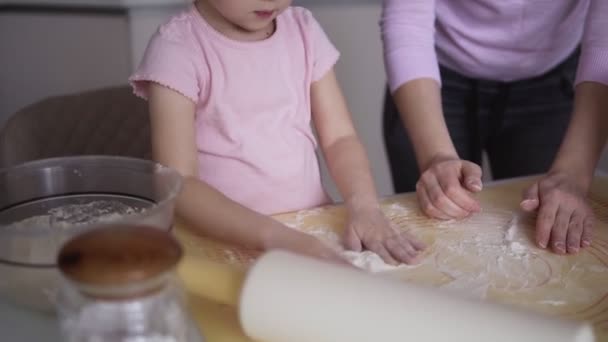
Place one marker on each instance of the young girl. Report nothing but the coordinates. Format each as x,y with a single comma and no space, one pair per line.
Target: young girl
232,87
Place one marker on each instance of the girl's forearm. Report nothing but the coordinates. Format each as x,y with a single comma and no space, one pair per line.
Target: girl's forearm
349,167
216,216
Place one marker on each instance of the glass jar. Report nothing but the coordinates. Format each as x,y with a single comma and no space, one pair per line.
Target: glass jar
120,285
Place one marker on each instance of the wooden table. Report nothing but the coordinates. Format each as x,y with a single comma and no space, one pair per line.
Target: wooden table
490,256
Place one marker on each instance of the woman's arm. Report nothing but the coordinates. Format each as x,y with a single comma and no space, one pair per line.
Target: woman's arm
408,30
202,206
565,220
446,182
586,135
349,167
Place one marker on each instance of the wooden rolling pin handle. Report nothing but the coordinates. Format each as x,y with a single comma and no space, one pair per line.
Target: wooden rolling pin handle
219,282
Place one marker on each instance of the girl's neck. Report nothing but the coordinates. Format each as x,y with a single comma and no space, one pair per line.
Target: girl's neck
229,29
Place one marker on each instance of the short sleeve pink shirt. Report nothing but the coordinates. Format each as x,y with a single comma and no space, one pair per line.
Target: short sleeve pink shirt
253,116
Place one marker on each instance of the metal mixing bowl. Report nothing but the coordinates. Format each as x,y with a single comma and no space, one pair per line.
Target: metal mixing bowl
44,203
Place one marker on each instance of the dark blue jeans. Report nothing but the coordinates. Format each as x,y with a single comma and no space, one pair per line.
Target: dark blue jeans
519,124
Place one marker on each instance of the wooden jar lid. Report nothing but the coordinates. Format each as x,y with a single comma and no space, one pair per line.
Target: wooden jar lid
118,255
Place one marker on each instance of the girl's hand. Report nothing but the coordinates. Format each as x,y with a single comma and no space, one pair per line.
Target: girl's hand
565,220
317,249
297,242
369,228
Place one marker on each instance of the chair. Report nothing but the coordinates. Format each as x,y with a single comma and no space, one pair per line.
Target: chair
110,121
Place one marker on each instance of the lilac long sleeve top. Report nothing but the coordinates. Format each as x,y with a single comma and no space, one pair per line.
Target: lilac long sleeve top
503,40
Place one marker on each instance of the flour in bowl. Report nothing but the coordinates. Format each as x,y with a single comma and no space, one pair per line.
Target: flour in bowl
68,216
36,240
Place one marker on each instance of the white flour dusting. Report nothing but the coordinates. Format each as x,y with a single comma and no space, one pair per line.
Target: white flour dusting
553,302
475,257
396,209
518,248
597,269
495,255
68,216
494,258
472,287
512,227
370,261
230,256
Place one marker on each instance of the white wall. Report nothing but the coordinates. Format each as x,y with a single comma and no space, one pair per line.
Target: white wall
45,55
143,22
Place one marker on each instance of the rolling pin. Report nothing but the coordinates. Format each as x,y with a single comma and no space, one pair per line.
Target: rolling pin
287,297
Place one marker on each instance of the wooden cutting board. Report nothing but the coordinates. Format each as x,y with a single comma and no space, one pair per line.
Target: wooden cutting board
490,256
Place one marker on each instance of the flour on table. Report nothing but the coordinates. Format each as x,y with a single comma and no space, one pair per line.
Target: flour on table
553,302
512,227
472,257
230,256
597,269
482,255
396,210
491,256
487,257
369,261
473,287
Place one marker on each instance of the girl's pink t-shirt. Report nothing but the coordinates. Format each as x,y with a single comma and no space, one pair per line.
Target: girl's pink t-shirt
253,115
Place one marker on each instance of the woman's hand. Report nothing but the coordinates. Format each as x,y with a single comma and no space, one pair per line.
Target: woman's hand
445,189
368,228
565,220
